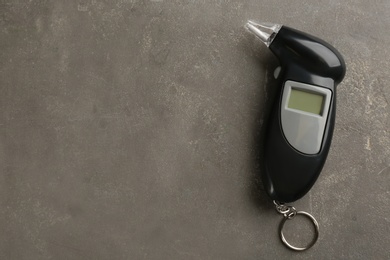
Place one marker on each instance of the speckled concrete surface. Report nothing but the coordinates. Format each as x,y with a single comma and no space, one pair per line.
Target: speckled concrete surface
132,130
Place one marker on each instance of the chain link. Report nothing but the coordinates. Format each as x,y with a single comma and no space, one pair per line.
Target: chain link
287,211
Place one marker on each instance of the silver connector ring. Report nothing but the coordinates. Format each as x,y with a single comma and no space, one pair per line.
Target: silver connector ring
316,231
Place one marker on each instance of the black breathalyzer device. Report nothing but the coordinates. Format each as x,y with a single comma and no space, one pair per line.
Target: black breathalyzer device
302,117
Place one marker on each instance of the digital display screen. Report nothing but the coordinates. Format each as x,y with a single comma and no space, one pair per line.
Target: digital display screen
306,101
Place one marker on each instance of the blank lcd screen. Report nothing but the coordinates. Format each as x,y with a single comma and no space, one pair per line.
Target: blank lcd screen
306,101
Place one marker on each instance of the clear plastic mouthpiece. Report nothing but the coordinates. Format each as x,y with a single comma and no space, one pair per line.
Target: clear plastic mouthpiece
266,32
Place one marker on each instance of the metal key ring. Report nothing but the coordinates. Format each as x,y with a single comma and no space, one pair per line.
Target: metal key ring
316,231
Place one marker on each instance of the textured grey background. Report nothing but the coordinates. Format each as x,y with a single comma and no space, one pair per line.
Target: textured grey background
132,130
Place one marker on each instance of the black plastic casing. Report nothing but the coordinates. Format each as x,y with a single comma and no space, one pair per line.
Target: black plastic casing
290,174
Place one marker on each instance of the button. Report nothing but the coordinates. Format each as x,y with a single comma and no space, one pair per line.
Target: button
277,72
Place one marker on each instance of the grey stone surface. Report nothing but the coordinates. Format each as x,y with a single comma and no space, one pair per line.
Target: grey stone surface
132,130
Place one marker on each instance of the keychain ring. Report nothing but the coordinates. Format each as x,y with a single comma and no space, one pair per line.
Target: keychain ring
316,231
